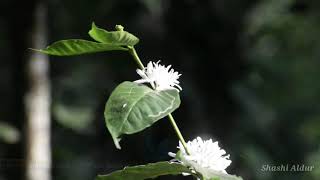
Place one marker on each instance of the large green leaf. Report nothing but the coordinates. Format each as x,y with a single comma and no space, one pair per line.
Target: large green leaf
77,46
133,107
120,38
153,170
148,171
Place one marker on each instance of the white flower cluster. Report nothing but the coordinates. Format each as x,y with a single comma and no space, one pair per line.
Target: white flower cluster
206,157
159,76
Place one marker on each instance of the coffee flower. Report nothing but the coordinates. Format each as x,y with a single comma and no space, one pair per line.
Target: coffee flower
205,157
159,76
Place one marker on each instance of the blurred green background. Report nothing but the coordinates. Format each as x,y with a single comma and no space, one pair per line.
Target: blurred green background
250,78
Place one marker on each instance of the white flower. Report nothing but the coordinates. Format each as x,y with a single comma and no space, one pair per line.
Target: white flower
159,76
206,157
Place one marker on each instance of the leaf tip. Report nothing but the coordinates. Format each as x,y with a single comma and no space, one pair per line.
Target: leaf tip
93,25
117,144
38,50
32,49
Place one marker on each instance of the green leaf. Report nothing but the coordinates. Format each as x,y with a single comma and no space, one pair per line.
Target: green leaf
8,133
120,38
147,171
72,47
132,108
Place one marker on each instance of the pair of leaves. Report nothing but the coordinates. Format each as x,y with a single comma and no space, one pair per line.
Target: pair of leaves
153,170
106,41
131,108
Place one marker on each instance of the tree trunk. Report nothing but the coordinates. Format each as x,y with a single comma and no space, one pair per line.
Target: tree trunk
37,103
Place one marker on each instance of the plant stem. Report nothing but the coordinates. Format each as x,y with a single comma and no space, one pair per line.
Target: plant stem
135,56
176,128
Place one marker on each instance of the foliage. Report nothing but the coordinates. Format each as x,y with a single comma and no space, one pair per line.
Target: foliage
8,133
280,95
132,107
107,41
148,171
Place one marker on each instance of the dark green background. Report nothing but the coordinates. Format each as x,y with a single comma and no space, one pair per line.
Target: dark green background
250,78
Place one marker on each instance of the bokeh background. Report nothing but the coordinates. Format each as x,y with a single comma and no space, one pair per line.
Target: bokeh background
250,78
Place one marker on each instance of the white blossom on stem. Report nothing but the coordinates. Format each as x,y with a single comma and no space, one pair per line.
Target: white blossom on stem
205,157
159,76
